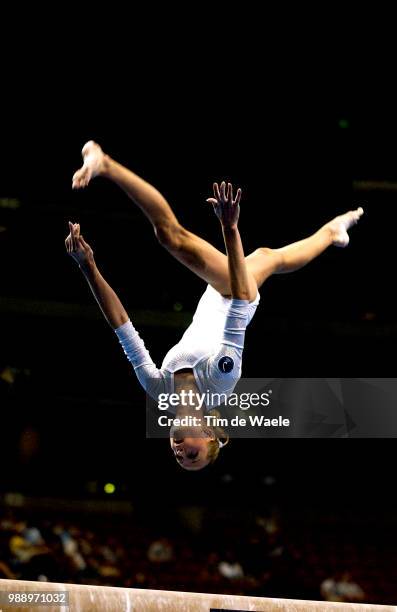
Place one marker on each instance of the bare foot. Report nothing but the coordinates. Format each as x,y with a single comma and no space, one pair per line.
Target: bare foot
94,159
341,224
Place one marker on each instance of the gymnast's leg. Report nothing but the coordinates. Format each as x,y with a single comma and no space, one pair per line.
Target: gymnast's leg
264,262
195,253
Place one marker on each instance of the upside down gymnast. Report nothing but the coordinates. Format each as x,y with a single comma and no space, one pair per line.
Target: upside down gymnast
208,356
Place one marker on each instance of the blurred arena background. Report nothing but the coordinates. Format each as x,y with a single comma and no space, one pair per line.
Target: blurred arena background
84,496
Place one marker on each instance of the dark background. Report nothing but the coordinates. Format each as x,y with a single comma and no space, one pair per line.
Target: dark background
72,411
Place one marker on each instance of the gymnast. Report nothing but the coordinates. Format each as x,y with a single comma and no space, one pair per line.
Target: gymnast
208,357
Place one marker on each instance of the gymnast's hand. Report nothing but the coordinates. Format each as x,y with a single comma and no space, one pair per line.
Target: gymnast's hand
77,247
226,208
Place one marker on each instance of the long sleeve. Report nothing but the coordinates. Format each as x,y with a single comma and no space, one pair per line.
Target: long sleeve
236,324
225,364
151,378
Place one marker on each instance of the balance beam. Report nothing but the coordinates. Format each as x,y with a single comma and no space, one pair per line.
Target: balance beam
85,598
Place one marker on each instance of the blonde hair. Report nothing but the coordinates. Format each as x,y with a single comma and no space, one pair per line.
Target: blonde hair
220,440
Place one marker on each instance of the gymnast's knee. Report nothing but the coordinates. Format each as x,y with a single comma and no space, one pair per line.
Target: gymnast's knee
265,251
275,257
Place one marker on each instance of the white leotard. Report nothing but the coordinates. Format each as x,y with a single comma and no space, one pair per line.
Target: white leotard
212,347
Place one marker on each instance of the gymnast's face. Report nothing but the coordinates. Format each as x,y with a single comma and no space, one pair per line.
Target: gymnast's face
190,452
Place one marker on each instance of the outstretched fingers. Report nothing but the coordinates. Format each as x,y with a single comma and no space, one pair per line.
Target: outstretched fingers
224,195
238,197
229,193
74,237
70,237
217,194
73,240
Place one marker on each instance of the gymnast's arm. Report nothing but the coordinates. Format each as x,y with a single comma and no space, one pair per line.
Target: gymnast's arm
227,210
151,379
225,365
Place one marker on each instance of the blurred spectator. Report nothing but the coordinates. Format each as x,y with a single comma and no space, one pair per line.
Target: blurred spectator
26,543
260,557
160,551
71,549
230,568
342,588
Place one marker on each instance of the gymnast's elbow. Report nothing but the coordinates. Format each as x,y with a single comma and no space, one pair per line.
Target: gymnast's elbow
117,319
241,294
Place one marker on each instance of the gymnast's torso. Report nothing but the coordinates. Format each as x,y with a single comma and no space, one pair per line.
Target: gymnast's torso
211,347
